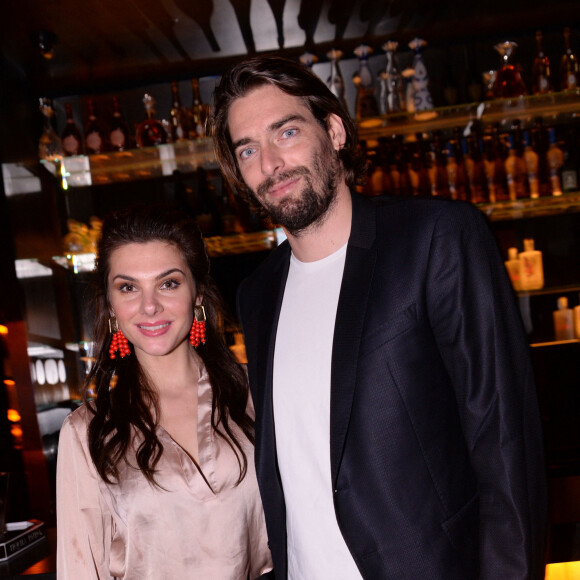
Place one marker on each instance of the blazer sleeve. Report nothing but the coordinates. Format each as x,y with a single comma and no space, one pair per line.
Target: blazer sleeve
83,520
476,322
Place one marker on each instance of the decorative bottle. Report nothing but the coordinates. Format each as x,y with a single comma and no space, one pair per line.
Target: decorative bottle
49,145
95,141
531,161
119,135
508,81
366,100
72,140
541,69
514,268
178,115
420,79
570,77
150,132
392,98
532,268
335,82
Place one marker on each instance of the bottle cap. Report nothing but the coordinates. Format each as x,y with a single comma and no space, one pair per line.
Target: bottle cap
529,245
562,303
512,253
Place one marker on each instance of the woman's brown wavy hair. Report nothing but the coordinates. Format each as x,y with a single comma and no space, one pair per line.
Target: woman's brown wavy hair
132,406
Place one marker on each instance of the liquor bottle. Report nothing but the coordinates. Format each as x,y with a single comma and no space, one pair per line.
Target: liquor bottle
72,140
555,157
178,115
570,77
459,146
508,81
119,135
422,97
563,320
569,170
541,69
49,145
366,100
150,132
95,141
499,173
511,169
198,113
439,178
475,169
452,175
531,161
532,272
539,137
393,98
335,81
489,166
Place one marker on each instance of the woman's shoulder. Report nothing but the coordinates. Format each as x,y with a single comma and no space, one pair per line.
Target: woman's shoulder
80,418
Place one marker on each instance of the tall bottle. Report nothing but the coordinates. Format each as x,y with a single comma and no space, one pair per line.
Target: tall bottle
366,99
541,69
198,113
49,145
150,132
178,115
95,140
422,96
570,77
72,140
555,157
531,161
393,99
540,144
569,170
119,135
335,81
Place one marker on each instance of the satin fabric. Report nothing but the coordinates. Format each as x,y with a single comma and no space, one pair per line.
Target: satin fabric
198,525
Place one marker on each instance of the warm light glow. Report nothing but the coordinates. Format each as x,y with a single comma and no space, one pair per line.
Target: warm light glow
13,415
563,571
16,432
9,382
3,329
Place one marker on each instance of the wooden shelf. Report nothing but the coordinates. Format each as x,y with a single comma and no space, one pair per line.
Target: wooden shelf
530,208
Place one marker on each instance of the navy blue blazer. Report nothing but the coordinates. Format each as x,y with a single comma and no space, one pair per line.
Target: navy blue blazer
435,443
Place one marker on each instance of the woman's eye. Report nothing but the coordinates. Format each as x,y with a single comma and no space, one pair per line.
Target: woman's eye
168,284
127,288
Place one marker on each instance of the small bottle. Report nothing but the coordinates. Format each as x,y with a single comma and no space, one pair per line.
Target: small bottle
555,157
563,320
514,266
541,69
119,135
72,140
95,142
179,129
150,132
569,65
576,314
49,144
532,268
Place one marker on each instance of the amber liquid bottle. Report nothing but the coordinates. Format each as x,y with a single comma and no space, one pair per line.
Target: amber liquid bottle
179,125
150,132
95,141
72,140
119,135
198,113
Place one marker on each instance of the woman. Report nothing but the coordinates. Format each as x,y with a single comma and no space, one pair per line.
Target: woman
155,475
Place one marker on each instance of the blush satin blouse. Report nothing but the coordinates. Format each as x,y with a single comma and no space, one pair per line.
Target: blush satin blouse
198,525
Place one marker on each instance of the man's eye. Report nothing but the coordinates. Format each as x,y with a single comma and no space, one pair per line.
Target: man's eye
246,153
289,133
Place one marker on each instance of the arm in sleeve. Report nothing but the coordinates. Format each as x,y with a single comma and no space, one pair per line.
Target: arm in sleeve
83,520
477,326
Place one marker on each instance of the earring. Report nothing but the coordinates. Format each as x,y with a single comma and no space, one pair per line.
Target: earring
197,332
118,341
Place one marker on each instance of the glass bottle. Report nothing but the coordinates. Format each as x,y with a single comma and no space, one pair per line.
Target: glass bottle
423,100
150,132
308,59
119,135
335,82
49,145
570,77
72,140
198,113
366,99
541,69
508,81
392,94
95,142
178,115
555,157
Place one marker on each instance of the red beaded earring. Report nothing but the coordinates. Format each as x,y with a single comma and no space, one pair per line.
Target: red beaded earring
197,332
118,341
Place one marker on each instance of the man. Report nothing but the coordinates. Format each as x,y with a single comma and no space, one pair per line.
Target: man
397,431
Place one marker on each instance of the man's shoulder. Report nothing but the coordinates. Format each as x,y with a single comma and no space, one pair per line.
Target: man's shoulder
262,275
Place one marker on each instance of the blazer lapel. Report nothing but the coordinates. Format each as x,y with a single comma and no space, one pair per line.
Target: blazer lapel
350,316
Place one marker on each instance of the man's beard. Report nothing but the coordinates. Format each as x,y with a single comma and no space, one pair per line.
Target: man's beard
295,214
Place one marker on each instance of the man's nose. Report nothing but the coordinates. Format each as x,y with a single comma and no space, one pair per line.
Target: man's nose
271,159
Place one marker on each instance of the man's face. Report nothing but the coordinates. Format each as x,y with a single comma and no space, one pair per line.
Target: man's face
286,158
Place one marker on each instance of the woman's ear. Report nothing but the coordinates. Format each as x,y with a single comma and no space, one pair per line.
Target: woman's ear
336,131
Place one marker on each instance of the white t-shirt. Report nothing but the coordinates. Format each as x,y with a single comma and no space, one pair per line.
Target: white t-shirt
302,362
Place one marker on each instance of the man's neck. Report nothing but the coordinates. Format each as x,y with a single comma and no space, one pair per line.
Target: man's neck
324,238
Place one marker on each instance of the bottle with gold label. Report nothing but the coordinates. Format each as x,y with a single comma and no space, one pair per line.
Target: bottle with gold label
150,132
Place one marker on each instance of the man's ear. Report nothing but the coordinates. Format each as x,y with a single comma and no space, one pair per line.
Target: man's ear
336,132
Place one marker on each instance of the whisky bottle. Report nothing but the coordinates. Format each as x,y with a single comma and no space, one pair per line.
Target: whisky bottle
366,100
150,132
95,142
198,113
570,77
541,69
72,140
178,114
555,157
119,135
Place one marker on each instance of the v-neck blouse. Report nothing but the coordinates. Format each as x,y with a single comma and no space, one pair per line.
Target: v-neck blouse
196,525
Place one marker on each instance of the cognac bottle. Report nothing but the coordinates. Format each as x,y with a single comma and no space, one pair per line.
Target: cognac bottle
72,140
541,69
95,142
178,114
150,132
569,65
199,112
119,135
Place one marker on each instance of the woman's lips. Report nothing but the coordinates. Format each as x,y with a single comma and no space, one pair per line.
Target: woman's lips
153,329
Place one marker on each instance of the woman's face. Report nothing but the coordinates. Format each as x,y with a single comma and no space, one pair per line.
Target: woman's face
152,293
